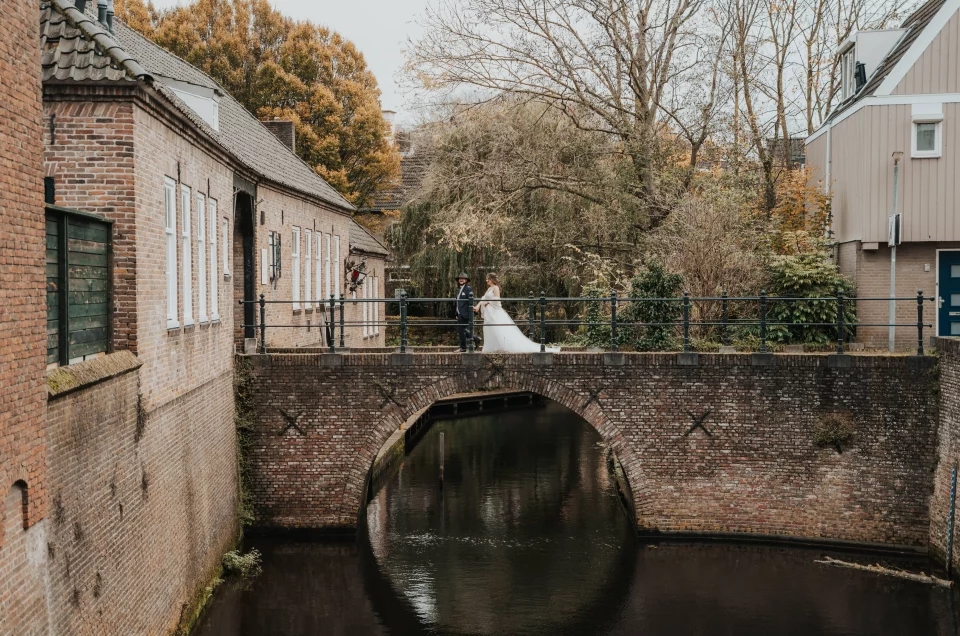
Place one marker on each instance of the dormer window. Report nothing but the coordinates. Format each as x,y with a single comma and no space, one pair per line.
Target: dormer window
202,100
848,73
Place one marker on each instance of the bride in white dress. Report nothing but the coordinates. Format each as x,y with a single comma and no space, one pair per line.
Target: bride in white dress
500,333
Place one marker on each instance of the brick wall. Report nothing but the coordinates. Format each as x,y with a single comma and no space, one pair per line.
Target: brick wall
177,361
89,154
759,472
22,318
141,508
281,213
870,269
948,450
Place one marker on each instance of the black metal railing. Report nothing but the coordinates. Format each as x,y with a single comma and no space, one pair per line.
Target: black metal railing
335,324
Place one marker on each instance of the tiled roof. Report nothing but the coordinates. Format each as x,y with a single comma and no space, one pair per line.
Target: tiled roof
127,55
413,168
75,47
362,241
914,25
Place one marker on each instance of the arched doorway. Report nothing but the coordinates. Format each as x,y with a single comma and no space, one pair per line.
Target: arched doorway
243,264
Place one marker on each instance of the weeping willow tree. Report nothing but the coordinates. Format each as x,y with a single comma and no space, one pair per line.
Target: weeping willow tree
514,187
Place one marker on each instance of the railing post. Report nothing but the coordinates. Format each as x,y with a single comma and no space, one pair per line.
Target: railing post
919,322
333,323
342,322
403,322
763,321
613,321
724,333
263,324
531,317
686,321
470,346
543,322
840,321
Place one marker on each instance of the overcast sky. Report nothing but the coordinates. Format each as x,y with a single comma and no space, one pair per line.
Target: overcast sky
379,28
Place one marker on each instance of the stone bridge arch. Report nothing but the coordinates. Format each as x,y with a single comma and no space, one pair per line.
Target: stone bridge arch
587,407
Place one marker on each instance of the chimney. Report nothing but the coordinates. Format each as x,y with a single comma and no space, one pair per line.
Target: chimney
81,5
390,117
110,16
102,12
285,130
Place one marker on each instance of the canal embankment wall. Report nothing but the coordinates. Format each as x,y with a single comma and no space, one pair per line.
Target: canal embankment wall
143,503
834,448
948,454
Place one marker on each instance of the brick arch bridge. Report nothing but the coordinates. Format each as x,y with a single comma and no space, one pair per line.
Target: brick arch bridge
710,444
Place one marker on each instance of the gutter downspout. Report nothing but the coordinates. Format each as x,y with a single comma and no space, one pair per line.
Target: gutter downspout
828,192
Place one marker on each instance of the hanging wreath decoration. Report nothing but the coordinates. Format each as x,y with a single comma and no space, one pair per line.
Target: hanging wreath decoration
356,273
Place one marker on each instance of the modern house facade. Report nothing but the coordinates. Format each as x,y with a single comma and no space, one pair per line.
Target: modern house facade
896,128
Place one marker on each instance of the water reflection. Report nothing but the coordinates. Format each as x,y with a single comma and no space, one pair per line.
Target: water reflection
526,537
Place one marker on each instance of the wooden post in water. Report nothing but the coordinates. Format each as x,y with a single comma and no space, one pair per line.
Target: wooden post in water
441,459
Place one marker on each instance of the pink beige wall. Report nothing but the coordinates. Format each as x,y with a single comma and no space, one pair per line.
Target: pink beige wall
862,176
936,69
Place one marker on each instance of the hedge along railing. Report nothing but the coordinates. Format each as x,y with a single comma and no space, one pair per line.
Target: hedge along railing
537,321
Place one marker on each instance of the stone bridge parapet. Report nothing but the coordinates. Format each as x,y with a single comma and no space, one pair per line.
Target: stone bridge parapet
710,444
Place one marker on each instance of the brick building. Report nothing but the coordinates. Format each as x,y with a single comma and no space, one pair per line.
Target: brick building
166,203
22,391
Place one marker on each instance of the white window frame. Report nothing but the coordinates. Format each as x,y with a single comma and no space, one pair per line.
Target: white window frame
307,266
318,283
328,287
202,257
376,294
264,266
170,231
365,311
214,275
337,280
295,264
848,73
935,118
185,198
226,246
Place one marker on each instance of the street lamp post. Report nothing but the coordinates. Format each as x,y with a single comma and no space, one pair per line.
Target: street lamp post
892,241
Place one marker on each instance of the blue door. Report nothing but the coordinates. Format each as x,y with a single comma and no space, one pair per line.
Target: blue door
948,279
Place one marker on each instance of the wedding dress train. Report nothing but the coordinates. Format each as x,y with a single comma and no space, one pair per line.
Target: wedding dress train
500,333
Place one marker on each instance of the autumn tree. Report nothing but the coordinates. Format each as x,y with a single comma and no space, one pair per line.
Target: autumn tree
278,67
518,186
605,64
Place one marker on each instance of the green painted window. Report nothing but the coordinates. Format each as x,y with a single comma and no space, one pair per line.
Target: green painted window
78,270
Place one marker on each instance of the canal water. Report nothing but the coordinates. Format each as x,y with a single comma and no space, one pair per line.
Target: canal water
526,536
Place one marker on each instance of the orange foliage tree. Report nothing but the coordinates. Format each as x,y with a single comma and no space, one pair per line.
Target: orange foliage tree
278,67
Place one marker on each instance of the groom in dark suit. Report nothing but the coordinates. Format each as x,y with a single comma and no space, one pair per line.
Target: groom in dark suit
464,311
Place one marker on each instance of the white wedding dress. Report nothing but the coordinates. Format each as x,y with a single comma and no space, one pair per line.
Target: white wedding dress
500,333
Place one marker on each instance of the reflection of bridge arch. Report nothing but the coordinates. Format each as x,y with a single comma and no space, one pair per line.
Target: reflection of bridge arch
400,411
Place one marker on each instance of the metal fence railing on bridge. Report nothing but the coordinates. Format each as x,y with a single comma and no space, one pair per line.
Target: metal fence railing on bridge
607,322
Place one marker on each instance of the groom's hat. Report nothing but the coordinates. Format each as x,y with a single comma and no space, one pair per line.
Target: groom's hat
463,275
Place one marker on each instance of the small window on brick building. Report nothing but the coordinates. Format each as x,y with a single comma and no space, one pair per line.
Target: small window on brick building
295,255
170,231
307,267
78,269
187,257
202,256
214,263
